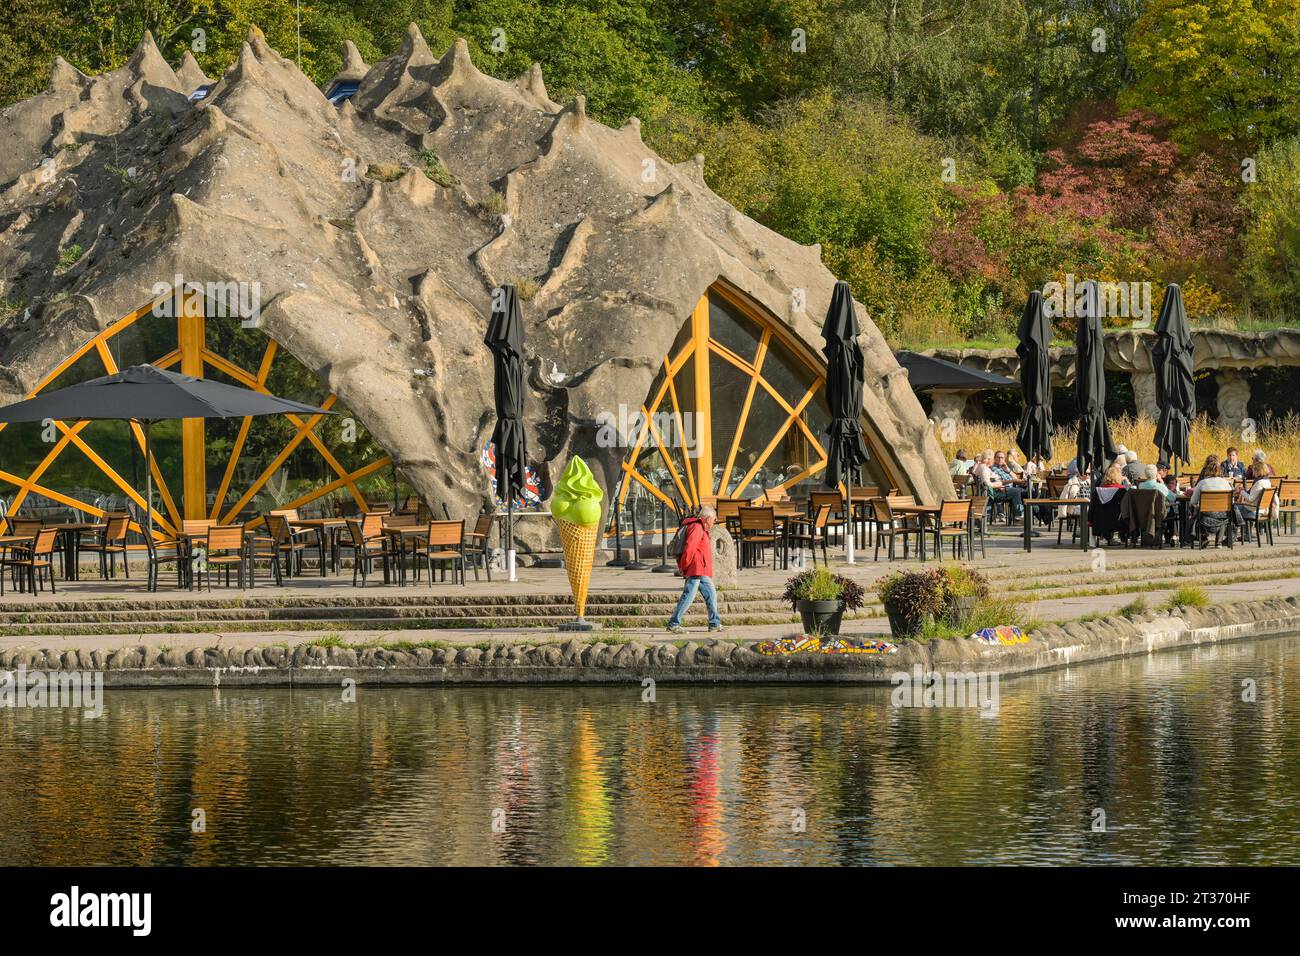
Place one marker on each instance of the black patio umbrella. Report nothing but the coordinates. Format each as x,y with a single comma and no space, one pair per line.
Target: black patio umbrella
1174,364
505,337
925,373
1095,446
1035,433
845,378
145,395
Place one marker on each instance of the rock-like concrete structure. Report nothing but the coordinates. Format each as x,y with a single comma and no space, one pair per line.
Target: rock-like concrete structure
1229,353
377,231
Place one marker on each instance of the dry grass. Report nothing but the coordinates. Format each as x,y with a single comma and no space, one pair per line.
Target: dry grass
1279,438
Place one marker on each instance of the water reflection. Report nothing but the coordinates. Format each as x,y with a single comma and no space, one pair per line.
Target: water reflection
1185,770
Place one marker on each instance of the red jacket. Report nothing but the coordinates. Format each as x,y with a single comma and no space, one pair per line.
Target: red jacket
696,559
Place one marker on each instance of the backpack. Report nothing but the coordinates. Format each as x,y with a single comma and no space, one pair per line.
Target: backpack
678,544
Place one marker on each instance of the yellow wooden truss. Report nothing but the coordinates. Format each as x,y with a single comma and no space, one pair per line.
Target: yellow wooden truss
192,356
694,480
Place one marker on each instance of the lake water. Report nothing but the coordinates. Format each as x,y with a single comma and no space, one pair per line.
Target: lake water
1184,769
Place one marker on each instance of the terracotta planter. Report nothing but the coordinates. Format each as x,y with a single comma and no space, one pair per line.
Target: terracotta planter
821,617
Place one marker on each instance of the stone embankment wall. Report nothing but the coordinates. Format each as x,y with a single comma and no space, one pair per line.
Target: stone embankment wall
1054,645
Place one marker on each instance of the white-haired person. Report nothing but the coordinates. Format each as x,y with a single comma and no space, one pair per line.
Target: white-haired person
696,564
1134,471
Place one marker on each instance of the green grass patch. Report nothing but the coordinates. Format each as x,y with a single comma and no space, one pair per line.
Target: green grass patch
1190,596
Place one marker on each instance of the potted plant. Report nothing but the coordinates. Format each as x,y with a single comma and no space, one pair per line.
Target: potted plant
821,598
911,599
963,589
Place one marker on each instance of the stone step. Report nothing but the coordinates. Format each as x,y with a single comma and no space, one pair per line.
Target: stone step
692,619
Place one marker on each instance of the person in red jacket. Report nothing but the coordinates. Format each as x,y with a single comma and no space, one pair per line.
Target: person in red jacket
696,565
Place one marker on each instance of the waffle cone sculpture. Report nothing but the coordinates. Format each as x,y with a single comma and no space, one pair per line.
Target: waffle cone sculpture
575,506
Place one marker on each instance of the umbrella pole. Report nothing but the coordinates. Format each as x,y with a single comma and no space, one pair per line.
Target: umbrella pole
510,537
850,541
148,484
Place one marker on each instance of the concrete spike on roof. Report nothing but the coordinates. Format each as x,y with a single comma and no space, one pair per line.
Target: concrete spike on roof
377,232
354,67
190,74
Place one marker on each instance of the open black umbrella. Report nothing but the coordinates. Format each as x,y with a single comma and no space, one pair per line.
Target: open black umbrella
925,373
1095,446
505,337
846,450
145,394
1174,365
1035,433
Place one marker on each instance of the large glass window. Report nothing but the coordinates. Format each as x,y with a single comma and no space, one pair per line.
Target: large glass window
735,411
224,469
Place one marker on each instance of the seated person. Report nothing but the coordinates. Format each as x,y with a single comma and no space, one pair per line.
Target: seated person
1247,502
999,481
960,465
1114,478
1259,466
1134,471
1151,480
1232,466
1212,479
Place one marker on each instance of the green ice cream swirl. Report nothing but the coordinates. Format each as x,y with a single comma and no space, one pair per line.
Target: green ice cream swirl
577,497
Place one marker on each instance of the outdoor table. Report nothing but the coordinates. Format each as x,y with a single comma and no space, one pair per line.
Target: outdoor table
70,533
1029,503
321,526
400,536
921,512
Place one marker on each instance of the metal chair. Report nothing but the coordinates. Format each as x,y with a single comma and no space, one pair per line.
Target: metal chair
445,545
889,528
224,548
108,542
478,544
364,550
813,532
34,561
953,523
758,530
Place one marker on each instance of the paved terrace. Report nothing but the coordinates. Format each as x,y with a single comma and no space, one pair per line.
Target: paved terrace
1055,582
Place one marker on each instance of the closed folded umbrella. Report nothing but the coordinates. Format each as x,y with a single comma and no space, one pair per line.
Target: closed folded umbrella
1095,446
1174,364
144,394
1035,433
846,451
505,337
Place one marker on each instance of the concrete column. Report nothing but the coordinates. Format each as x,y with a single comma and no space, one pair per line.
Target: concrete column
947,406
1144,393
1234,394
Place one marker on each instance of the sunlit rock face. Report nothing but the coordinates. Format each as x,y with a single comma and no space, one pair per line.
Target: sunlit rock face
377,231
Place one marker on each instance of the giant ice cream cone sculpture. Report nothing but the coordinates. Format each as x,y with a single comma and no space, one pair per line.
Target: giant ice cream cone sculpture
575,506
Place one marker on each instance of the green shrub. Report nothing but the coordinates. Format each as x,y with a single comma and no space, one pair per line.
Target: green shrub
69,258
820,585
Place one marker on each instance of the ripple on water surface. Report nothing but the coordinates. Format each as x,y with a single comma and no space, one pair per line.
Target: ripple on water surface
1184,769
